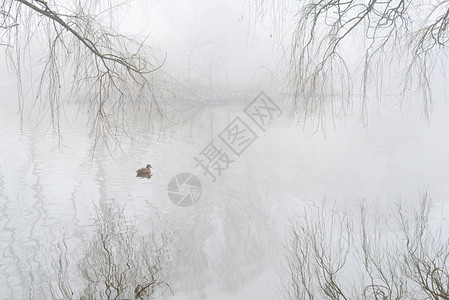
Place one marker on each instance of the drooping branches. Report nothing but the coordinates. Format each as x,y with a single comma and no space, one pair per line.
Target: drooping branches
84,60
344,50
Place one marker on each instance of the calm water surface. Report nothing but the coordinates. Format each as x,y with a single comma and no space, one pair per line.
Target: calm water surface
229,244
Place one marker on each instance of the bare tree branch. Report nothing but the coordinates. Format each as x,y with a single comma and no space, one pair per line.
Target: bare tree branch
86,62
347,50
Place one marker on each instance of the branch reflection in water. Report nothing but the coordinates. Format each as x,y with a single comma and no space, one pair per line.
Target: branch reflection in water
115,263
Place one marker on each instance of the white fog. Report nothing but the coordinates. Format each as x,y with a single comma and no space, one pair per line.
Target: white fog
329,195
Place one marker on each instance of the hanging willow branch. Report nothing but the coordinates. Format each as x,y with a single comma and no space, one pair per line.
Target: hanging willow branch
347,50
84,60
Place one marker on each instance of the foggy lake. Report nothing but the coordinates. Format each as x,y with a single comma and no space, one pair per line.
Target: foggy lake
70,204
228,245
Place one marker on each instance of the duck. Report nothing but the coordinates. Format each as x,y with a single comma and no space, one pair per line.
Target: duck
144,172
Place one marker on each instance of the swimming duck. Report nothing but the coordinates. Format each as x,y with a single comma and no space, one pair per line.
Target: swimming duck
144,172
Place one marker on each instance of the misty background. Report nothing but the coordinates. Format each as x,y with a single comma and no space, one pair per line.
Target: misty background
219,56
